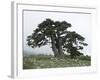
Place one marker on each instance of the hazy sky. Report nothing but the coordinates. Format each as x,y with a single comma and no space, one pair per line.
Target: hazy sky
81,23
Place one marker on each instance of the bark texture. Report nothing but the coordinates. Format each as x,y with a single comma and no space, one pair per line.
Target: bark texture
54,46
57,47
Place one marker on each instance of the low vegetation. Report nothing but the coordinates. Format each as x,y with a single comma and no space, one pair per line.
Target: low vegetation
48,61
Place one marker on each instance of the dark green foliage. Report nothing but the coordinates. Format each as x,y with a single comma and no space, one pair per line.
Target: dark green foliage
73,44
56,34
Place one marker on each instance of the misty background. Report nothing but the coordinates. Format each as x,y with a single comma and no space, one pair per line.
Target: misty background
81,23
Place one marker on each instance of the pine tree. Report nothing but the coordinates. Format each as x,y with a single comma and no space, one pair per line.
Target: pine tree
56,33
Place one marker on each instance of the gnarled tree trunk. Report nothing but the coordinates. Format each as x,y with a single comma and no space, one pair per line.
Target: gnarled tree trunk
54,46
57,46
60,50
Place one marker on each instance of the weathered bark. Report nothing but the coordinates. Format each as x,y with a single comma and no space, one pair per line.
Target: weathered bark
57,46
54,46
60,50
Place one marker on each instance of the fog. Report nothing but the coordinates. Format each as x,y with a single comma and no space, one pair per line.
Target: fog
81,23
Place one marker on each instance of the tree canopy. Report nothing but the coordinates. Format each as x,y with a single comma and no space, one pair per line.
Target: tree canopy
57,34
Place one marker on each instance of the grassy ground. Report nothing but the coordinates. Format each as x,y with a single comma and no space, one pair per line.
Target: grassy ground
48,61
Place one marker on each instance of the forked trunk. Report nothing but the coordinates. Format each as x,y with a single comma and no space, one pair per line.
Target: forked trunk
59,42
60,50
54,46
